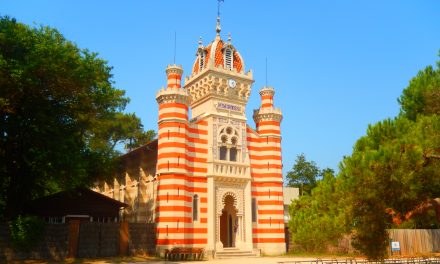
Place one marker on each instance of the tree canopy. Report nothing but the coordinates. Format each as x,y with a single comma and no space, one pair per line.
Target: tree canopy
316,221
391,180
422,96
305,174
60,115
396,166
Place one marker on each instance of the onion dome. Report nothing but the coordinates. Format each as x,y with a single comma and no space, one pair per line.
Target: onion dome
218,54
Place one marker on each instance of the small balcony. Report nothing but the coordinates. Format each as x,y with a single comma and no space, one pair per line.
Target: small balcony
230,169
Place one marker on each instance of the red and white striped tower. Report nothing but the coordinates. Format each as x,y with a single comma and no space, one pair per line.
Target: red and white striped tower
267,185
174,76
172,202
267,97
267,118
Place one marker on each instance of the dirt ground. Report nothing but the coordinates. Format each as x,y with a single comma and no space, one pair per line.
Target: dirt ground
286,259
153,260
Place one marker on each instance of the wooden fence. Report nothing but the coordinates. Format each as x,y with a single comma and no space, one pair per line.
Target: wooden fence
83,240
412,242
416,241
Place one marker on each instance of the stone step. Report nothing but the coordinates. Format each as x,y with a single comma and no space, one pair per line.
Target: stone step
230,256
235,253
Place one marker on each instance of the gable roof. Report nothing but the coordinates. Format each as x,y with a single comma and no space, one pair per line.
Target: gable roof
80,201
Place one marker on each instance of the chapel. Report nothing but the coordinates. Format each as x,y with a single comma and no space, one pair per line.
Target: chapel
210,180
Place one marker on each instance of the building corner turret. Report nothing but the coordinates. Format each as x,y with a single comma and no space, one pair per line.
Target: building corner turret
172,162
266,160
267,118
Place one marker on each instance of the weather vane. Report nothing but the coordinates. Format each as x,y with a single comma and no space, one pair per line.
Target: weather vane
218,6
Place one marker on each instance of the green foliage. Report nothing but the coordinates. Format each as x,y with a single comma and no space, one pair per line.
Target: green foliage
60,116
121,128
395,168
390,168
396,165
316,220
26,231
423,221
303,175
422,95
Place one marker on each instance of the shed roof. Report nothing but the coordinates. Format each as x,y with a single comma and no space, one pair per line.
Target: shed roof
80,201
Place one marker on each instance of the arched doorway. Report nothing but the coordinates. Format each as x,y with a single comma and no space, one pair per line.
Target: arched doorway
228,222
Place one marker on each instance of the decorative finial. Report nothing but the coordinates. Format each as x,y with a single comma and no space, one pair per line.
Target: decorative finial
229,38
200,42
218,28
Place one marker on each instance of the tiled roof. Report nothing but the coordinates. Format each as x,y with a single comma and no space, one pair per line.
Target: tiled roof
218,57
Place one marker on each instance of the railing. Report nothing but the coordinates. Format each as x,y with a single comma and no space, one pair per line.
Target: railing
420,260
230,170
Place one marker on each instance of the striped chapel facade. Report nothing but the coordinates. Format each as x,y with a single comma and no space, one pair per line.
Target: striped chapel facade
209,180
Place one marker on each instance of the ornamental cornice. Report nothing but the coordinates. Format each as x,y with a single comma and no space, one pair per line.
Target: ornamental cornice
215,83
267,114
221,72
267,90
175,69
171,95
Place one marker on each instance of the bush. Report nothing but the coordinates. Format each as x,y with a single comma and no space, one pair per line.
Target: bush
26,231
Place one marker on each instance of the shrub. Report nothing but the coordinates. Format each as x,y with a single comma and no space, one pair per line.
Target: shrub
26,231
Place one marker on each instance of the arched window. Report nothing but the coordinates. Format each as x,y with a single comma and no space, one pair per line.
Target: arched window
228,144
233,154
228,58
233,149
196,207
223,152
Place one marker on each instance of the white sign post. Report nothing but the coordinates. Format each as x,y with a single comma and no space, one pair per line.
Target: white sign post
395,246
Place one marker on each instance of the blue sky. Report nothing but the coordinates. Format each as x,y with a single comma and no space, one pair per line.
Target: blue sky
336,66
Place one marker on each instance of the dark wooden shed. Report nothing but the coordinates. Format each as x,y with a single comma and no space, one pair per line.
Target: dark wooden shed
80,203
